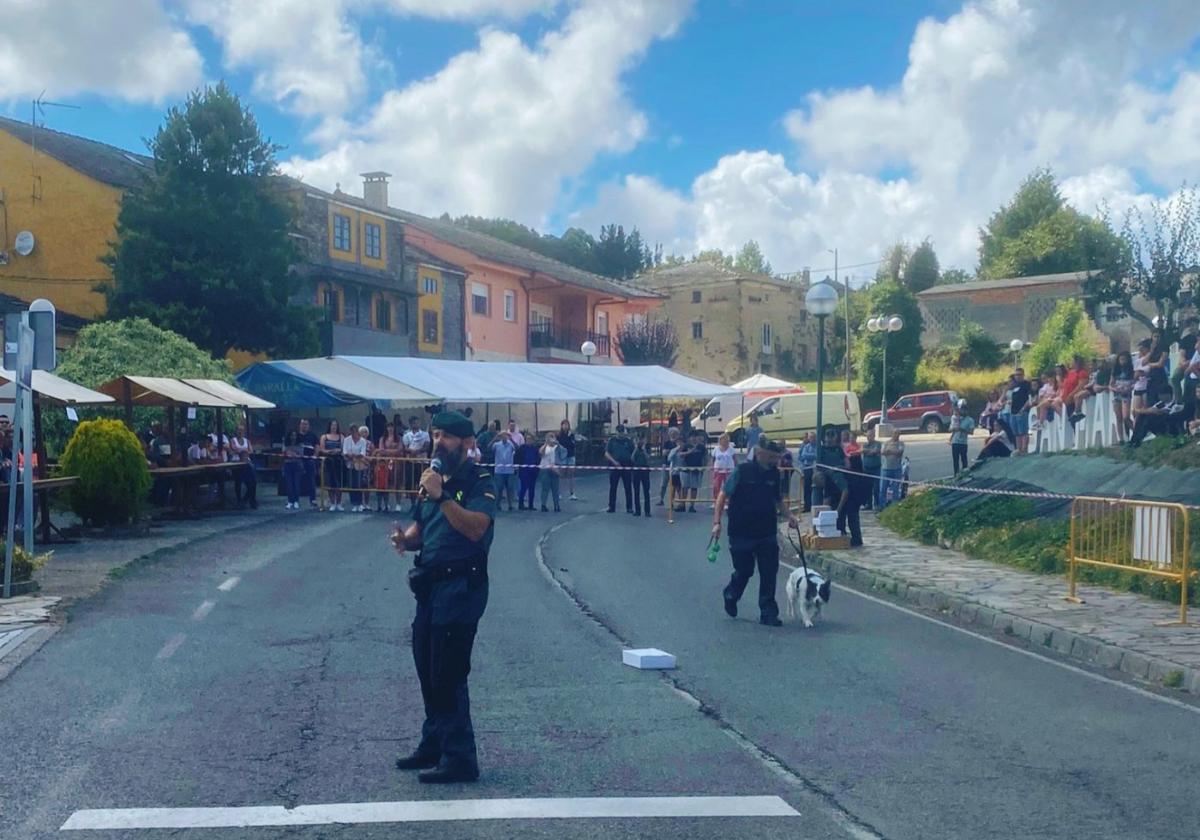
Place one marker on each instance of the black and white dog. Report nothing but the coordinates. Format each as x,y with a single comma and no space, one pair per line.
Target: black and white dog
805,589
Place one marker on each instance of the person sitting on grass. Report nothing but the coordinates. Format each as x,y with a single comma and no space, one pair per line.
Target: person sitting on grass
1000,443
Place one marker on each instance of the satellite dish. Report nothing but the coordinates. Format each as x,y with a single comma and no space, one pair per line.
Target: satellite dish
24,243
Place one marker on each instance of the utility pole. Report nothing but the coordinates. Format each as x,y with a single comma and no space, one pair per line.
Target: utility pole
836,284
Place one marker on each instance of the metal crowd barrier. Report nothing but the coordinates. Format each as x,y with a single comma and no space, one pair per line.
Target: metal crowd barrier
1149,538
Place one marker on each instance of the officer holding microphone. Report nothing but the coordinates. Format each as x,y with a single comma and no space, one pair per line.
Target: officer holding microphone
452,532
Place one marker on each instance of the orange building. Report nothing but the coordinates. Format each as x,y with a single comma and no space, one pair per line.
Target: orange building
522,306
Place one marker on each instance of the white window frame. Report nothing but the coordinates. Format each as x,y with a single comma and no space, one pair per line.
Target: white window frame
601,323
481,290
767,344
697,330
377,240
338,218
431,285
510,305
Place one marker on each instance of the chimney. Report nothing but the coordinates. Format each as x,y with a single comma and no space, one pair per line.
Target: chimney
375,189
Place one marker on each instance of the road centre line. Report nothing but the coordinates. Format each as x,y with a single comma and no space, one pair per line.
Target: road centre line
203,610
229,583
112,819
1024,652
172,645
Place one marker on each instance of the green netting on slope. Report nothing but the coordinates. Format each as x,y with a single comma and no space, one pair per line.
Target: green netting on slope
1088,476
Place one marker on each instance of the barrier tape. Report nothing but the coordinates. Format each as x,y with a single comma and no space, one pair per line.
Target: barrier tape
931,484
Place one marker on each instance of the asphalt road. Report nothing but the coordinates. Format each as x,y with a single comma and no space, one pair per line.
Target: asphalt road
293,687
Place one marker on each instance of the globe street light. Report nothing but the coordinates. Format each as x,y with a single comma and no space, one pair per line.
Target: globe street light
1016,346
821,300
588,349
884,325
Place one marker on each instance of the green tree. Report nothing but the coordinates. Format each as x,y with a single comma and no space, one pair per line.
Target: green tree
892,267
1066,333
621,255
715,256
952,276
976,349
921,270
903,348
1157,261
106,350
1039,233
202,246
643,341
750,259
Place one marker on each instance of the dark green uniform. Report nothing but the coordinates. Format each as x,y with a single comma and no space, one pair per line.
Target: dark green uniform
450,582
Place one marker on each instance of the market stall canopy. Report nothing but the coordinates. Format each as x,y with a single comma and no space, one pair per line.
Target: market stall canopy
762,382
400,381
229,393
330,381
50,387
161,391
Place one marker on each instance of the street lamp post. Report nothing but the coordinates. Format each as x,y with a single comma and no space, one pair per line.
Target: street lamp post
821,300
588,349
1016,346
885,325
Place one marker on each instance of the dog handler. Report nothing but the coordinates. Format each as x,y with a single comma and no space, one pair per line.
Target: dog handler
453,532
755,503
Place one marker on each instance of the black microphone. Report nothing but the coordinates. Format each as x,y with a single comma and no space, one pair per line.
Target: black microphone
436,466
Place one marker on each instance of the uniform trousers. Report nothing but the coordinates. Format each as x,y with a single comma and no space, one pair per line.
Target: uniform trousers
746,554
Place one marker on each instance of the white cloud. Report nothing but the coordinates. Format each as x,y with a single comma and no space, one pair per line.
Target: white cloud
70,47
500,127
1098,90
306,54
471,9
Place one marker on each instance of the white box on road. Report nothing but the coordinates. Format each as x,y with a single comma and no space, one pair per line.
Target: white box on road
648,658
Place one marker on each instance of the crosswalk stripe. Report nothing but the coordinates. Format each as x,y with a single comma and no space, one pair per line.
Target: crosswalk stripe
113,819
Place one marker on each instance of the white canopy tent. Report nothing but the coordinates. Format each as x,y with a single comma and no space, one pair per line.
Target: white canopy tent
761,382
393,383
524,382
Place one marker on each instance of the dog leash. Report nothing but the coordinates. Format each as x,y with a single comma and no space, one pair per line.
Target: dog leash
799,549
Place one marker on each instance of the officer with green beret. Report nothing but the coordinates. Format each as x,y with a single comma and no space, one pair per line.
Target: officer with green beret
452,532
754,494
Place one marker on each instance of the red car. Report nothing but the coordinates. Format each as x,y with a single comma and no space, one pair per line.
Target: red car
926,412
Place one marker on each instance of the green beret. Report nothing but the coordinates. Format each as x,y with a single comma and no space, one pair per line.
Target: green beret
454,423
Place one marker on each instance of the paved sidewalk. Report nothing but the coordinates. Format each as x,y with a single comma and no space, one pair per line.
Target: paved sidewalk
1111,629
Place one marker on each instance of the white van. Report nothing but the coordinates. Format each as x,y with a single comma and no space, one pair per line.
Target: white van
789,416
721,410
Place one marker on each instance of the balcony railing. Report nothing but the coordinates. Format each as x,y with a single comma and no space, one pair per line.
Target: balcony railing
546,336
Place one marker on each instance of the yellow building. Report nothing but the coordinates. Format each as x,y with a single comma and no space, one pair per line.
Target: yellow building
733,324
59,199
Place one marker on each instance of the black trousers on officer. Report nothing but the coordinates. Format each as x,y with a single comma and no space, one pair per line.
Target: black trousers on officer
765,554
641,490
442,654
619,475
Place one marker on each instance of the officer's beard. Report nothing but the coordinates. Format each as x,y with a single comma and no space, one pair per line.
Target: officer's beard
451,459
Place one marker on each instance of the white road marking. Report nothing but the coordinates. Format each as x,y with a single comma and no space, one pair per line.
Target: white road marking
171,646
112,819
1040,657
203,610
229,583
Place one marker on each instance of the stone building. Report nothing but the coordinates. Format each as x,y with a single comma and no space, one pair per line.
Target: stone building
1017,307
733,324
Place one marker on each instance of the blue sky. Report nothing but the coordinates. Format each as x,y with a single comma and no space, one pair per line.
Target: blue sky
803,125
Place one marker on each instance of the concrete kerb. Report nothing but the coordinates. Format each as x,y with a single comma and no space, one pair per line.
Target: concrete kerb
1082,648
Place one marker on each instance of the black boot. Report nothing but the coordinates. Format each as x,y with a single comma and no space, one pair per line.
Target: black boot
416,761
443,775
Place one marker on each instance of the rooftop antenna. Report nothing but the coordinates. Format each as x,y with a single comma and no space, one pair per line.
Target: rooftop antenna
39,107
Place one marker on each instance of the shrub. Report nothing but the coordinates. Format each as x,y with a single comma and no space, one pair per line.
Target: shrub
24,563
970,385
113,476
1066,333
977,349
